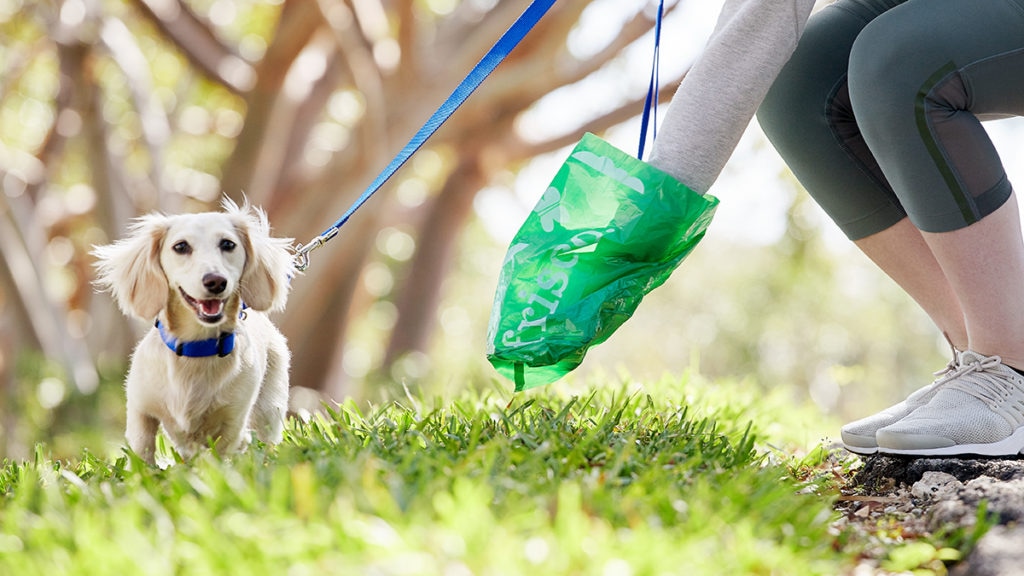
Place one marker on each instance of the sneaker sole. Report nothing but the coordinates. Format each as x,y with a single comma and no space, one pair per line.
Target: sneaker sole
860,450
1010,446
859,443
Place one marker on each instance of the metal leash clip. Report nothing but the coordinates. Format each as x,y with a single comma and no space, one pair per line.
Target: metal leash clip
302,250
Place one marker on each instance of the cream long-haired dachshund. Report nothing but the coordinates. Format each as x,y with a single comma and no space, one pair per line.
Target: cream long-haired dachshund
213,367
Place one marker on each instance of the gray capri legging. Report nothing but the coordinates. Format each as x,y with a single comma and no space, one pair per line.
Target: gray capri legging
878,112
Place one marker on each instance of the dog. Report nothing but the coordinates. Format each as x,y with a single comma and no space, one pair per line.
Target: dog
213,368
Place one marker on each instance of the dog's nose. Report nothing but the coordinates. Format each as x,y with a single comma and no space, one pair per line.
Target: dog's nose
215,283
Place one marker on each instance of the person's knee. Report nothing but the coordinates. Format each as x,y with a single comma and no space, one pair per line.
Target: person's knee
888,69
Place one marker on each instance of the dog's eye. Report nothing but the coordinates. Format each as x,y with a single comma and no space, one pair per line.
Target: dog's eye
182,248
227,245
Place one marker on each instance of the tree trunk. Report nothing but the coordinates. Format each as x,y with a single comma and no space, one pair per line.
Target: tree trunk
420,292
298,23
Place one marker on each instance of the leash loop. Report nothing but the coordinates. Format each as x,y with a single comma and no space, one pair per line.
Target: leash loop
650,115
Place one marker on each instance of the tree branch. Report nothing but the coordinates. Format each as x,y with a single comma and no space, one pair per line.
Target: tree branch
197,41
519,149
531,78
297,24
156,129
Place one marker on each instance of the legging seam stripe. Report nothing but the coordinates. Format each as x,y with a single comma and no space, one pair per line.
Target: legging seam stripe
924,129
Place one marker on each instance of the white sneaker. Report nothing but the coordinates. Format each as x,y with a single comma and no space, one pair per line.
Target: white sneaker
978,410
859,436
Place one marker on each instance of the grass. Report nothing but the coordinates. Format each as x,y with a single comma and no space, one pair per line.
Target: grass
670,480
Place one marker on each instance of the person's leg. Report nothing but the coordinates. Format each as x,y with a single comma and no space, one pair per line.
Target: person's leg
716,100
808,117
903,254
919,78
985,265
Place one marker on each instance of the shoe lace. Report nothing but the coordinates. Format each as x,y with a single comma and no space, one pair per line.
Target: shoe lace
954,360
995,388
953,364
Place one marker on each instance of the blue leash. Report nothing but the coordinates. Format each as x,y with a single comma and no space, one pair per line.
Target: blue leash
508,41
651,103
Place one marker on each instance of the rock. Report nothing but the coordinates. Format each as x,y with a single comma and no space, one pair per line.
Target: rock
1004,500
935,486
999,553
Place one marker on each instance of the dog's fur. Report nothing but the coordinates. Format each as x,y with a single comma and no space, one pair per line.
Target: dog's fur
192,272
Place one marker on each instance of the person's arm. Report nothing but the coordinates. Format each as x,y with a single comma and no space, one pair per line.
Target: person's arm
716,100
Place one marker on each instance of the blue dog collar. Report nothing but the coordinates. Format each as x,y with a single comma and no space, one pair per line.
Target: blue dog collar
220,346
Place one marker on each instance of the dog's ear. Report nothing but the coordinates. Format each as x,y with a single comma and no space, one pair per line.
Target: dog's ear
269,265
130,268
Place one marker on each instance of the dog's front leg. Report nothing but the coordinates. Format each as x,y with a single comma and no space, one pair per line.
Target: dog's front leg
236,437
268,413
141,435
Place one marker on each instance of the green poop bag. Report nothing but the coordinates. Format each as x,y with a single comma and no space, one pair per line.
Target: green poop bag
609,229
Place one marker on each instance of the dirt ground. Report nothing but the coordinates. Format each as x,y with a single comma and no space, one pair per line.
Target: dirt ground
937,495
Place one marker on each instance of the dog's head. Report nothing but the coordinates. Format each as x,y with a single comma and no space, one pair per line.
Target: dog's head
204,263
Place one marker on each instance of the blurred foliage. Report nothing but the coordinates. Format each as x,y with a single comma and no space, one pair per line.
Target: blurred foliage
43,408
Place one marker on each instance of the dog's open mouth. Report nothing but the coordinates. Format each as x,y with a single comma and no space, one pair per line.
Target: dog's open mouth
210,311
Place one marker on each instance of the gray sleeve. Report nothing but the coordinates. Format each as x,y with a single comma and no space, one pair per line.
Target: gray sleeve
716,100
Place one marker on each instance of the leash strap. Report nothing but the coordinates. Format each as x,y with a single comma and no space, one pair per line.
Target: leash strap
650,116
508,41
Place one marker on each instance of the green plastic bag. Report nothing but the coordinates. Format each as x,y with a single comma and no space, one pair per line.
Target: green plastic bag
608,230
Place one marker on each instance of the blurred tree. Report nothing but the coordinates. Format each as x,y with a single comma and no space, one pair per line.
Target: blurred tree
111,109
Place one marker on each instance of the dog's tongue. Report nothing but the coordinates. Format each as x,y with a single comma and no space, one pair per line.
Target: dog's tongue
211,307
